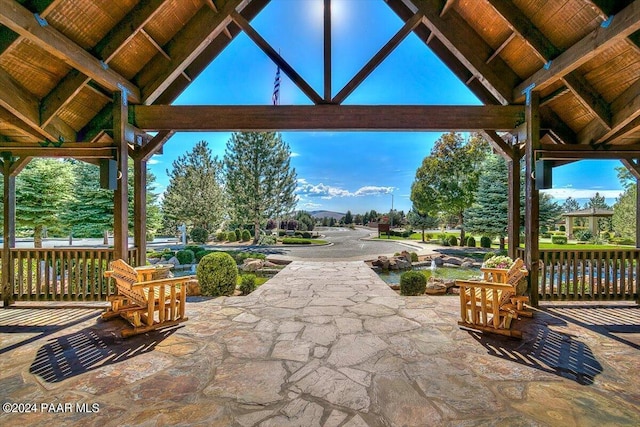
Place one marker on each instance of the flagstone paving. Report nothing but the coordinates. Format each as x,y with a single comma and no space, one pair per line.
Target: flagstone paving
322,344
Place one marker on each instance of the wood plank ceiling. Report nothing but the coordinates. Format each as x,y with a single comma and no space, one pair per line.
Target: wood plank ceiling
62,60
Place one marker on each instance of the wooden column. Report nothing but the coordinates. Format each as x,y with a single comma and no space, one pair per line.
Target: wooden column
532,199
638,216
140,209
8,229
120,197
513,232
327,50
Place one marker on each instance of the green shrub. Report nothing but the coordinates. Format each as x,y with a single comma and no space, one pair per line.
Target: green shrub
238,234
186,256
150,236
559,240
605,235
489,255
154,254
247,284
193,248
221,236
471,242
296,241
199,235
546,235
168,254
584,235
203,253
562,228
453,241
240,256
485,242
412,283
267,240
414,257
231,236
246,235
623,241
217,274
306,235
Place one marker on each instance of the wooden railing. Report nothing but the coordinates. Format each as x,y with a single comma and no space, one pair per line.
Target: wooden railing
585,274
62,274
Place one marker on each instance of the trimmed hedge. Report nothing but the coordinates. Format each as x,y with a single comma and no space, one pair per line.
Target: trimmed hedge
559,240
246,235
238,234
412,283
221,236
231,236
471,242
414,257
453,241
485,242
217,274
296,241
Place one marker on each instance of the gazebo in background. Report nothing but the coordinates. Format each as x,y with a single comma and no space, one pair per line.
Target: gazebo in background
559,82
590,216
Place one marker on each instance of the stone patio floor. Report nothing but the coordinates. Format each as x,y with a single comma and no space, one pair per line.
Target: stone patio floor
322,344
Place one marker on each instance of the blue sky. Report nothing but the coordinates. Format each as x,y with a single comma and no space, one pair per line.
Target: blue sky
341,171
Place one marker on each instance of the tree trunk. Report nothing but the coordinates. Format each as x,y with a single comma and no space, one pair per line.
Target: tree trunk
423,236
37,236
462,236
502,243
256,231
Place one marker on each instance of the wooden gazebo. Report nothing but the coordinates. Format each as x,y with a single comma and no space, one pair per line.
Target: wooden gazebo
560,81
589,215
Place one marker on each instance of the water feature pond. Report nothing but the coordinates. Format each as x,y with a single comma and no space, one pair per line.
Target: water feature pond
446,273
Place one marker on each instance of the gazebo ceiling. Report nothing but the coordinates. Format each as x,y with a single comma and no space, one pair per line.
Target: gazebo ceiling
62,60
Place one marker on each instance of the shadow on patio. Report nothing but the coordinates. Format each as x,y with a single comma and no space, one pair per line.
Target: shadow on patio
91,348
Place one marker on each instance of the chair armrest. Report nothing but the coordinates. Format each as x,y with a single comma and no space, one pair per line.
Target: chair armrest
483,284
108,273
167,281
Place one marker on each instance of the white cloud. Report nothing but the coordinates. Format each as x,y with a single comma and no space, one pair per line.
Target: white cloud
153,161
581,193
328,192
293,154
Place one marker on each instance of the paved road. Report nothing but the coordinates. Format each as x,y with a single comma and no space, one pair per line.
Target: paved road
346,244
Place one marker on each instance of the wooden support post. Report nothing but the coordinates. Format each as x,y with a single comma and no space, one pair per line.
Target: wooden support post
140,209
638,218
327,50
8,229
513,231
532,200
120,197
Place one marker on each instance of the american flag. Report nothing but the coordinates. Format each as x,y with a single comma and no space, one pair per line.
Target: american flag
276,88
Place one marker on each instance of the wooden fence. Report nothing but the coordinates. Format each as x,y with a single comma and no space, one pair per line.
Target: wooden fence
65,274
585,274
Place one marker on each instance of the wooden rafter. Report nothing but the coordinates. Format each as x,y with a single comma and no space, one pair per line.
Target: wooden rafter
186,45
500,48
550,120
468,47
43,8
380,56
632,166
318,117
589,97
145,152
519,23
622,25
23,22
555,151
625,109
67,149
276,58
25,107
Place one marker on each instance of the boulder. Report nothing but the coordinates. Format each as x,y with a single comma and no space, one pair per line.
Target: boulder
406,255
403,263
467,264
435,287
453,261
173,260
439,261
193,288
252,264
393,264
382,262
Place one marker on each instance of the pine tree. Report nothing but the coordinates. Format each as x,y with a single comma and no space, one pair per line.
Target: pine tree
260,182
194,195
43,191
570,205
348,218
624,213
489,213
421,221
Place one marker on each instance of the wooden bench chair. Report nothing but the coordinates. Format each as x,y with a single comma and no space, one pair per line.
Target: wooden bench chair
491,304
147,305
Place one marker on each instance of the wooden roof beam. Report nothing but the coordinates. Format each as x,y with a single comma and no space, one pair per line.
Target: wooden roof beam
42,8
186,46
380,56
632,166
67,149
606,8
23,22
150,148
25,107
559,152
442,52
326,48
276,58
468,47
321,117
522,25
625,109
589,97
622,25
500,145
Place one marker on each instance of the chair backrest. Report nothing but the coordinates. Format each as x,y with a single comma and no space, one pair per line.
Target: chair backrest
516,272
125,276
